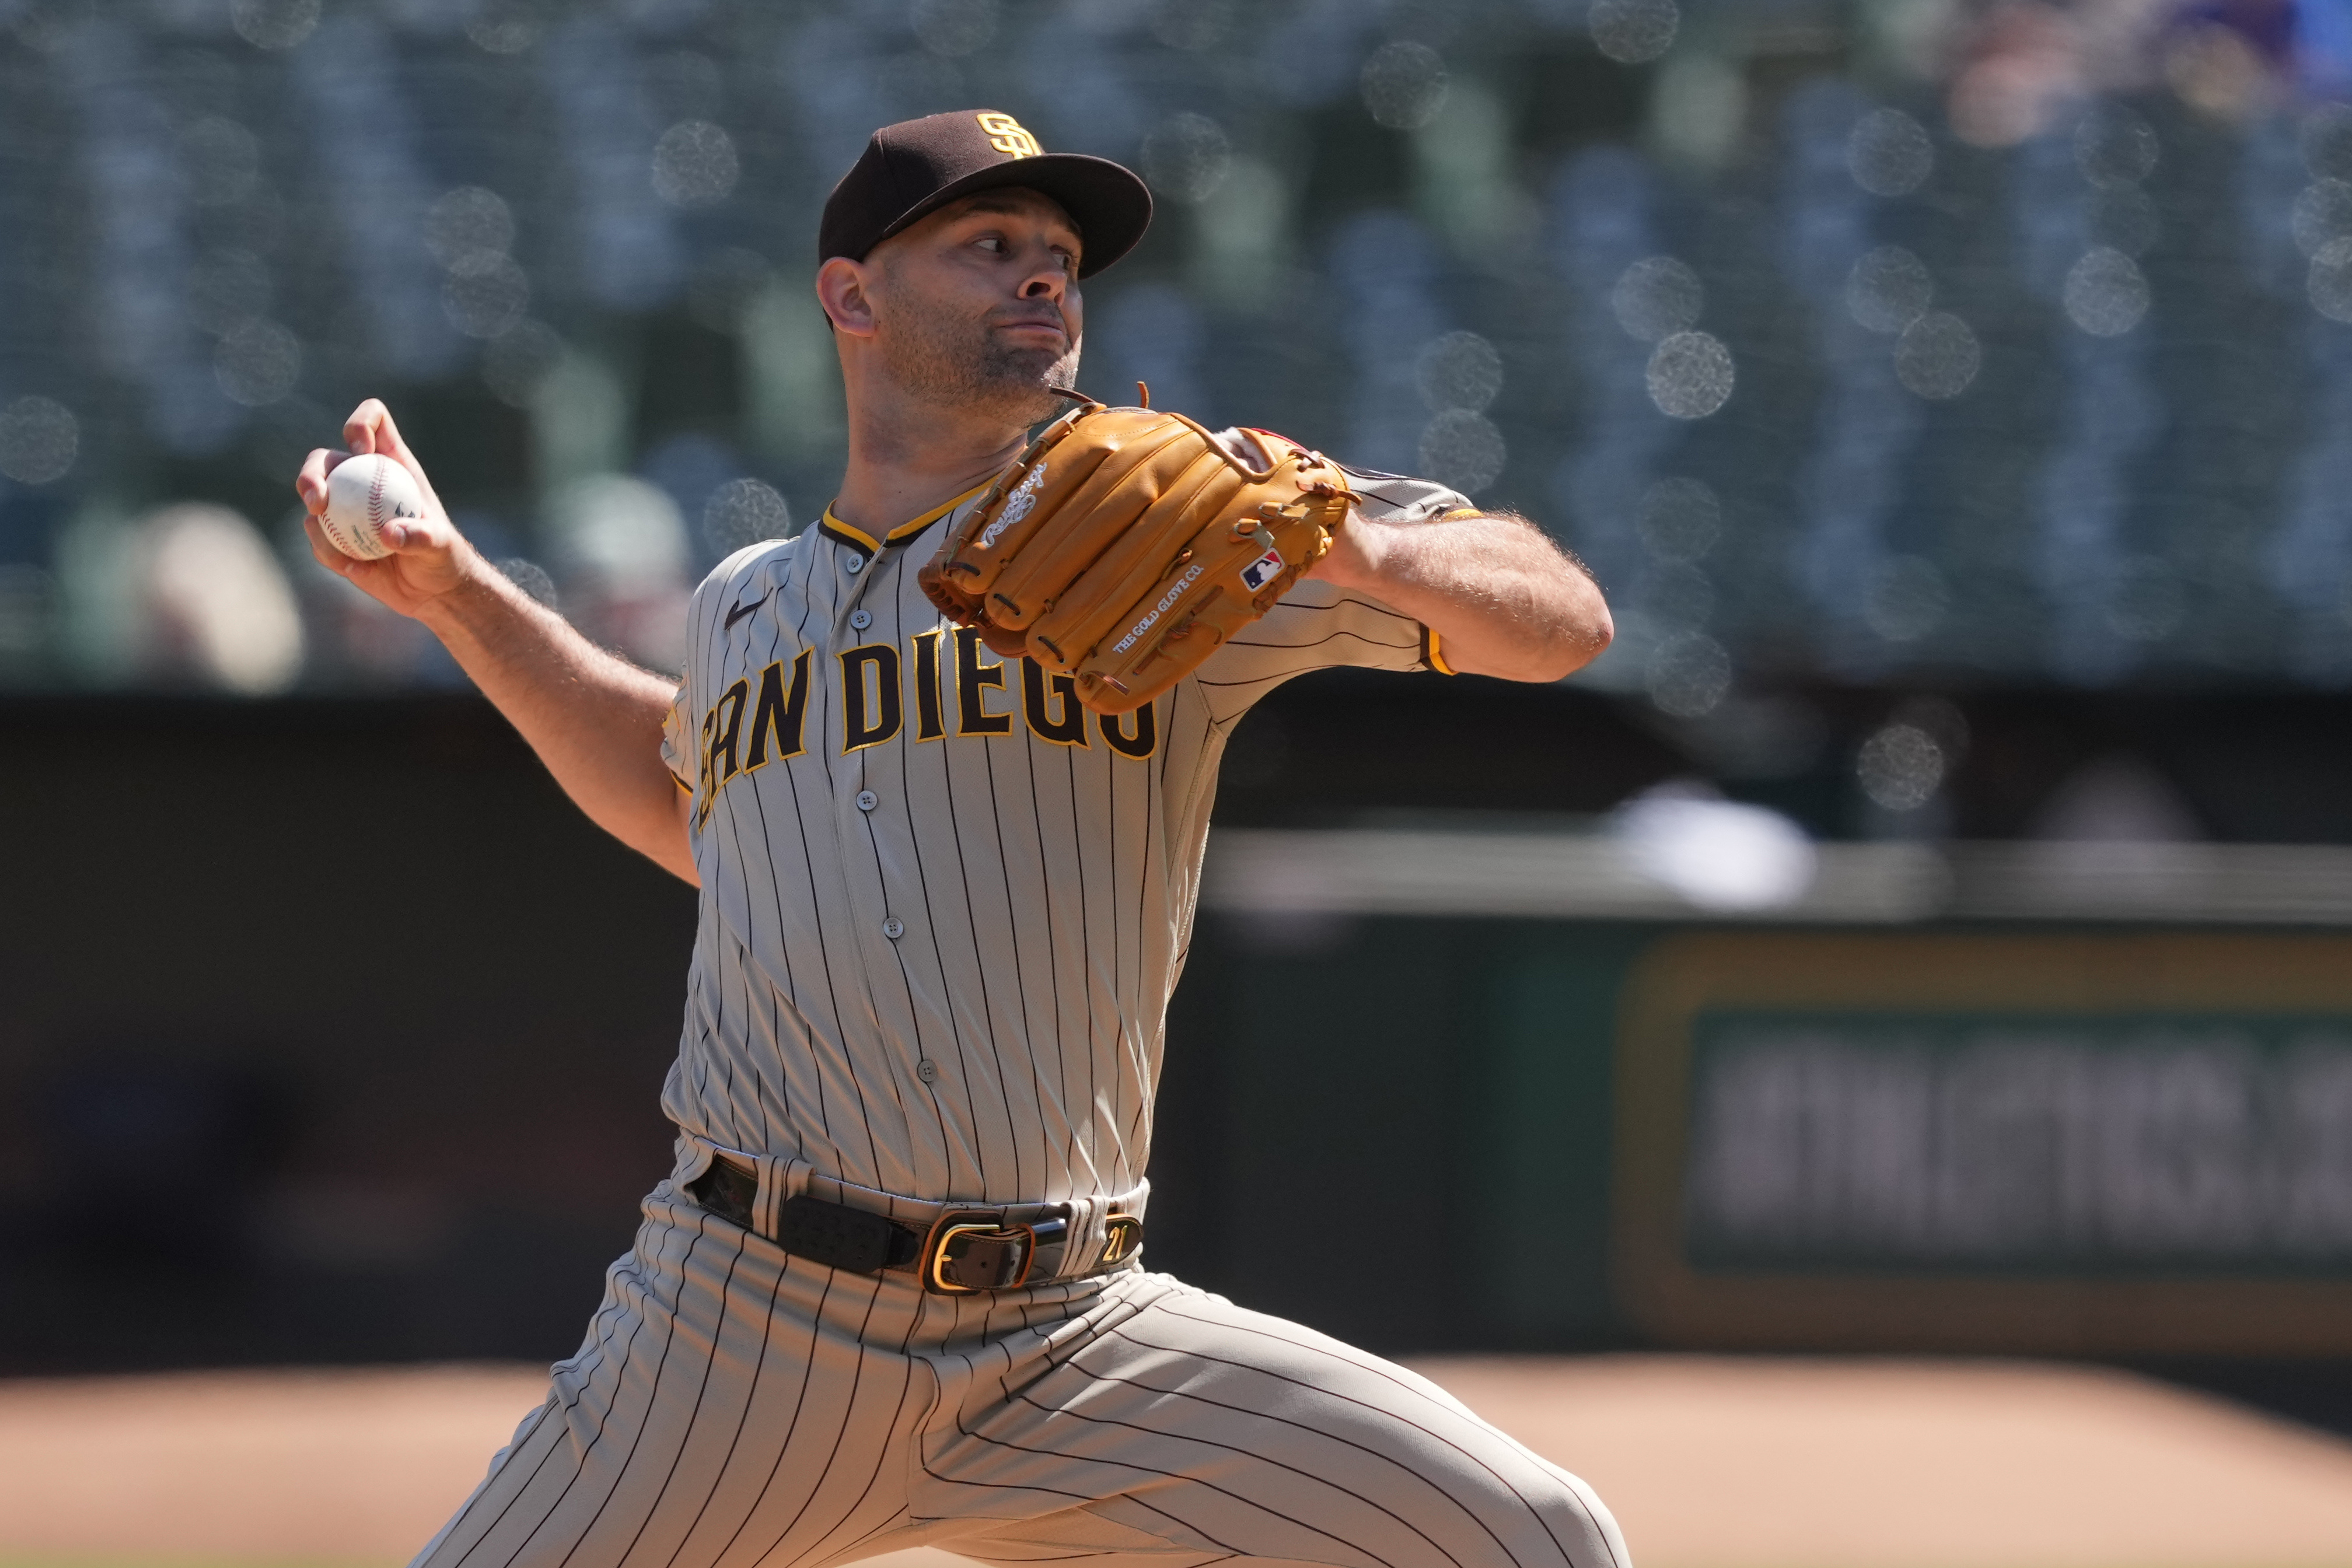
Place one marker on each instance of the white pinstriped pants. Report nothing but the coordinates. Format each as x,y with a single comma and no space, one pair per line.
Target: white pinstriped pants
733,1407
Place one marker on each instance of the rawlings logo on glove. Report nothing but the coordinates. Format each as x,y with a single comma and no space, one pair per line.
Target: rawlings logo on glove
1137,551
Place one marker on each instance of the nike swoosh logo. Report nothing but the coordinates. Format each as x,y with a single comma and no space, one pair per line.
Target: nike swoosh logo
740,611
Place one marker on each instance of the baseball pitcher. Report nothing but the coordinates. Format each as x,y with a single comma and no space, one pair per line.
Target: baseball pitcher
941,769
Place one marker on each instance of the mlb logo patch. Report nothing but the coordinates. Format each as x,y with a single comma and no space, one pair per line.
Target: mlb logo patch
1262,570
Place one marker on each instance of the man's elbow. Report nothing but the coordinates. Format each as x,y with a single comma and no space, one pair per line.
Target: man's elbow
1576,640
1598,631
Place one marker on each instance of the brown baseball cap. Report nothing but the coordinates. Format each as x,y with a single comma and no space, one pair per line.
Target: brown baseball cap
914,168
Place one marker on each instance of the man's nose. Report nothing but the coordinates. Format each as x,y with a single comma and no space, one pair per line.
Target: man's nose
1044,285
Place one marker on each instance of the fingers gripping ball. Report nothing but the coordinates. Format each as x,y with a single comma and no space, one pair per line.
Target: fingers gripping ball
1125,546
363,493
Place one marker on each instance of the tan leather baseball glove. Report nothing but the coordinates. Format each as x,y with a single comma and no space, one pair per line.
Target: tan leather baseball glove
1125,546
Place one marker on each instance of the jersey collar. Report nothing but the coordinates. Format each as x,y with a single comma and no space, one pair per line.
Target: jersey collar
841,533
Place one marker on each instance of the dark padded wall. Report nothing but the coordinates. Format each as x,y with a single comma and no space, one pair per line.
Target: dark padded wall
325,1031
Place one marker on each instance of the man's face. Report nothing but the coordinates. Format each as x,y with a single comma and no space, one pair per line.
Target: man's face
977,307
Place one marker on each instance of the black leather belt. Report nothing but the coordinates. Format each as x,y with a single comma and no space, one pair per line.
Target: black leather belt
966,1249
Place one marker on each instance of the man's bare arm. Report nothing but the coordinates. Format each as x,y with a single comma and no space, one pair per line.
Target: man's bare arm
1502,598
594,719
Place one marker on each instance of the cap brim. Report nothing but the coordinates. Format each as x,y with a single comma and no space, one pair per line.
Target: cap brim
1108,202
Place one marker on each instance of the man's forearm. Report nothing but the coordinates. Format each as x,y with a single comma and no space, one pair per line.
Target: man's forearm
1502,598
595,720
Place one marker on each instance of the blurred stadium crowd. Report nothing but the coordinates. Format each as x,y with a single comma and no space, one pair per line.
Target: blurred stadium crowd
1885,341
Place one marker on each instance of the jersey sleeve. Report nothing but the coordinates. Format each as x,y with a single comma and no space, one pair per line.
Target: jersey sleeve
676,742
707,634
682,740
1394,499
1316,626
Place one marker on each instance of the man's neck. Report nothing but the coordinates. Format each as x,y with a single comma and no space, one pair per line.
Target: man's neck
905,458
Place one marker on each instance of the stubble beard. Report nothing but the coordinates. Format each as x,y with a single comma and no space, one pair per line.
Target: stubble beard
952,362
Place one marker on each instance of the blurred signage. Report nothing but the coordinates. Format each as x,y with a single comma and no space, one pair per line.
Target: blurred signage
2071,1142
2004,1142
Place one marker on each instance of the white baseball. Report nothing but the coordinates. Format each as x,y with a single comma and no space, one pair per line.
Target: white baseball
362,495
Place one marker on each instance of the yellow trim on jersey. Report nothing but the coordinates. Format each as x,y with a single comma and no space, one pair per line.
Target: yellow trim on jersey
906,531
1432,645
1437,654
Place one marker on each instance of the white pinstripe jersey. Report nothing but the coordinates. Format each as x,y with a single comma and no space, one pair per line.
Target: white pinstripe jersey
943,907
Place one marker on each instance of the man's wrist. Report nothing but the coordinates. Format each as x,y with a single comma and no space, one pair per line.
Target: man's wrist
1358,549
480,593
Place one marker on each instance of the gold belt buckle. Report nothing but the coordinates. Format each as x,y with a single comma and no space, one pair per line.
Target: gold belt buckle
959,1235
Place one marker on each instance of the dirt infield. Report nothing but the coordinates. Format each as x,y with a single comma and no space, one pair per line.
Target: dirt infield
1709,1462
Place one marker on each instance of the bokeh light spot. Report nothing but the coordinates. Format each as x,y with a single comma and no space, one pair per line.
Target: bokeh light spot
1460,369
1900,767
1462,448
1632,32
531,578
1690,375
1689,675
2106,294
1187,157
1403,85
485,294
1656,298
2329,283
2114,146
695,164
467,220
273,24
39,439
506,27
744,512
2321,213
1937,356
258,363
1889,154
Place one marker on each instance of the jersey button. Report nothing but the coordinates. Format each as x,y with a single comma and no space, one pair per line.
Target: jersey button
867,799
859,620
927,1069
854,563
894,928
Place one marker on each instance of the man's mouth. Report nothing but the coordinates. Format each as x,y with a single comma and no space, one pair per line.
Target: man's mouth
1036,324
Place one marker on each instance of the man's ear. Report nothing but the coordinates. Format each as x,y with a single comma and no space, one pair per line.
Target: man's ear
841,289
